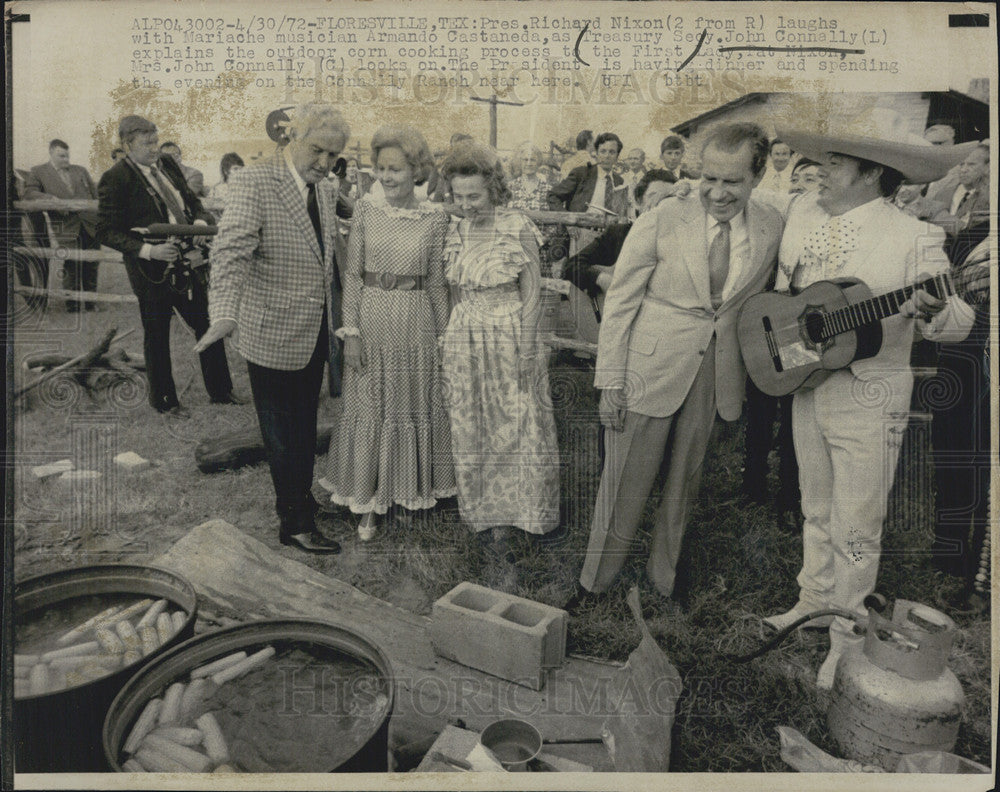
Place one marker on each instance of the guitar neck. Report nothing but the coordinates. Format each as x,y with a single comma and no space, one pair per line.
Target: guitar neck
851,317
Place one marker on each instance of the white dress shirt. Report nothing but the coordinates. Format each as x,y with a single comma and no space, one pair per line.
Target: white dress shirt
299,182
956,200
147,173
597,199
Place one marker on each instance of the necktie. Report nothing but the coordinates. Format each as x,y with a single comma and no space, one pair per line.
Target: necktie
180,216
964,204
718,263
64,175
313,208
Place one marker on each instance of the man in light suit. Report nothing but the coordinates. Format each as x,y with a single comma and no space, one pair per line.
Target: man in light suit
58,179
967,202
275,279
668,357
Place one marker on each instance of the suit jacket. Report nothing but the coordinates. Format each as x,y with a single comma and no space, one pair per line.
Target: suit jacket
575,191
602,252
126,201
658,318
195,180
268,272
44,180
978,206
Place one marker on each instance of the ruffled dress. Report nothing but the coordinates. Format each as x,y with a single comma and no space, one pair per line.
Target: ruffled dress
503,438
392,444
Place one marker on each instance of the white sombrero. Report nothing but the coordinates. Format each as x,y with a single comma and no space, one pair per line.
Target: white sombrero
879,135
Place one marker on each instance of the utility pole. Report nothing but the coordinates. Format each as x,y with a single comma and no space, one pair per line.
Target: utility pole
493,102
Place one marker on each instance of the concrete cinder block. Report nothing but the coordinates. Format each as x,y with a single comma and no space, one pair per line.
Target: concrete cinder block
52,469
504,635
73,476
131,462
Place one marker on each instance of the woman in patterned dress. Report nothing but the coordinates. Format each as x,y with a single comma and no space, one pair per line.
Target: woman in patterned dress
503,429
392,445
530,190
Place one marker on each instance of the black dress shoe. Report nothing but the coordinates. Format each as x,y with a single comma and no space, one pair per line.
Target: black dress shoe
230,398
311,542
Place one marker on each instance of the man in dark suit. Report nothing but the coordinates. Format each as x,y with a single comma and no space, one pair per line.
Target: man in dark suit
592,188
960,432
195,178
275,278
672,155
58,179
135,192
591,269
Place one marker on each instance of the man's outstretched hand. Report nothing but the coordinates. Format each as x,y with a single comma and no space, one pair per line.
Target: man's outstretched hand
216,331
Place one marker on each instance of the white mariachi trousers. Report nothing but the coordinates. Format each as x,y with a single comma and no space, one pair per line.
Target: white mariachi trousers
847,435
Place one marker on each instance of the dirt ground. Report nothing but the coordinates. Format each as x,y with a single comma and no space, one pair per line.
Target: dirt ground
739,564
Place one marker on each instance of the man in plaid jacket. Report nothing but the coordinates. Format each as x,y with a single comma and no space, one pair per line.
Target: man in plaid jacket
273,265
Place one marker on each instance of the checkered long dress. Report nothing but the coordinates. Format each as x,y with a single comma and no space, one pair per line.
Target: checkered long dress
392,444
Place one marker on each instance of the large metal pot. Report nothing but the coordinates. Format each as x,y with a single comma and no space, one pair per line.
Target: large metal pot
61,731
318,637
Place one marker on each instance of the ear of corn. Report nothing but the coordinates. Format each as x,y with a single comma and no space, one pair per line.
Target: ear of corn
149,617
164,628
254,660
150,639
193,761
143,725
171,704
218,665
215,742
157,762
109,640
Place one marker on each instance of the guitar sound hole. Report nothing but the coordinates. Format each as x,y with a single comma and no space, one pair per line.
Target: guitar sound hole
814,327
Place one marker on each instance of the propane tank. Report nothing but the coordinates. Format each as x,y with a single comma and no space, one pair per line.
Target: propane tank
898,696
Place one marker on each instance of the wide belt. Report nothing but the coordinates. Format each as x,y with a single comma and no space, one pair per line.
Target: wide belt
390,281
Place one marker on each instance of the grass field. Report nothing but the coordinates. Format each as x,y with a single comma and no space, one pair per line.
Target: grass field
738,565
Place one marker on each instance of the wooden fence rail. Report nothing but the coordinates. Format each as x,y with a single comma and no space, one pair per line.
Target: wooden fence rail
583,219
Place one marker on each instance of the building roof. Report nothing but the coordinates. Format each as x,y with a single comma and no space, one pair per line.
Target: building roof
685,127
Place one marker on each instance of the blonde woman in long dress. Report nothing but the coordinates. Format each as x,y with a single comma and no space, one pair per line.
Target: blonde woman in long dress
392,445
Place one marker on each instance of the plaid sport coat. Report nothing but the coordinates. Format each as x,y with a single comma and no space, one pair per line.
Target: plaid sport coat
267,269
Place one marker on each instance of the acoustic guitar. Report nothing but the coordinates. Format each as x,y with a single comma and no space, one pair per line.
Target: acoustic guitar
794,341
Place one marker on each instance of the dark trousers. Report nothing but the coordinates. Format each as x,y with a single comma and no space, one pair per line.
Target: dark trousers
961,437
157,300
81,275
762,411
287,402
